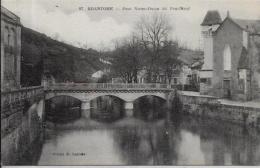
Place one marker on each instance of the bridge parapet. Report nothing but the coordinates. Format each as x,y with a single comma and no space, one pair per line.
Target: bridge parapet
15,99
109,86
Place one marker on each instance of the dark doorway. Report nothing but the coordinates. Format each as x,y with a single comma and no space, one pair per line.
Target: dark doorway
226,88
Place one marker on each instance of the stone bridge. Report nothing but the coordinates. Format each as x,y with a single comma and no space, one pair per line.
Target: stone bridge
85,92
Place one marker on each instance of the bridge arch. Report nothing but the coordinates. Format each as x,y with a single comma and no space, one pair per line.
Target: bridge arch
157,96
65,95
149,107
126,96
109,95
53,95
62,108
107,107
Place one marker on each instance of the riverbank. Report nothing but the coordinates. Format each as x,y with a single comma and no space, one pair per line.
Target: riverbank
247,113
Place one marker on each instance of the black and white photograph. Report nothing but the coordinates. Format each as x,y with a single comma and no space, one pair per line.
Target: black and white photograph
130,83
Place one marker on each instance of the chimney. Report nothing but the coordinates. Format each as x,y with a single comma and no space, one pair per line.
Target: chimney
228,14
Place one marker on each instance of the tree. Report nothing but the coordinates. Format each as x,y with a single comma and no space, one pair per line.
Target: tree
153,32
126,59
168,59
149,47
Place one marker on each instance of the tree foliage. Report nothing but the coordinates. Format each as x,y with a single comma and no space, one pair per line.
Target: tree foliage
127,59
150,47
154,33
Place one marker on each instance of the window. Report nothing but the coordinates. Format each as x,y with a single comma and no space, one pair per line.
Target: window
12,37
9,59
205,81
6,36
9,40
227,58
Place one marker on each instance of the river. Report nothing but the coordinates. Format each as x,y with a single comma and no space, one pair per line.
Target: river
131,141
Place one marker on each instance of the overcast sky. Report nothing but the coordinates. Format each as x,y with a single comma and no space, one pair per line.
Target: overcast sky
63,20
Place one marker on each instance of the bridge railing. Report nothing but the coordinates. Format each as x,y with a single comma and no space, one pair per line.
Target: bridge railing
97,86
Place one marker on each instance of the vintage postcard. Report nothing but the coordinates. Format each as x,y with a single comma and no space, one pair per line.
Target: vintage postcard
130,83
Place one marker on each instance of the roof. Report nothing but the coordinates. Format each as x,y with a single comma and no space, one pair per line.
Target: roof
243,60
252,26
105,61
212,17
197,64
9,16
98,74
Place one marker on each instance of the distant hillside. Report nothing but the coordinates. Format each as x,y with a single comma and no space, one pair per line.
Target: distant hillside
41,54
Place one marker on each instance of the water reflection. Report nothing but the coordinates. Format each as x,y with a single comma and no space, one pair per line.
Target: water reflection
79,148
107,108
192,142
153,146
63,109
149,108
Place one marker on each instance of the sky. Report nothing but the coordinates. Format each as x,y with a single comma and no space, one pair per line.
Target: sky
65,21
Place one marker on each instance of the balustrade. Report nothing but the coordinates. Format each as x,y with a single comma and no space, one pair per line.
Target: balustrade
113,86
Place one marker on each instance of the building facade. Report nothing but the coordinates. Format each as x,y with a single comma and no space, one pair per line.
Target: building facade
231,57
10,50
